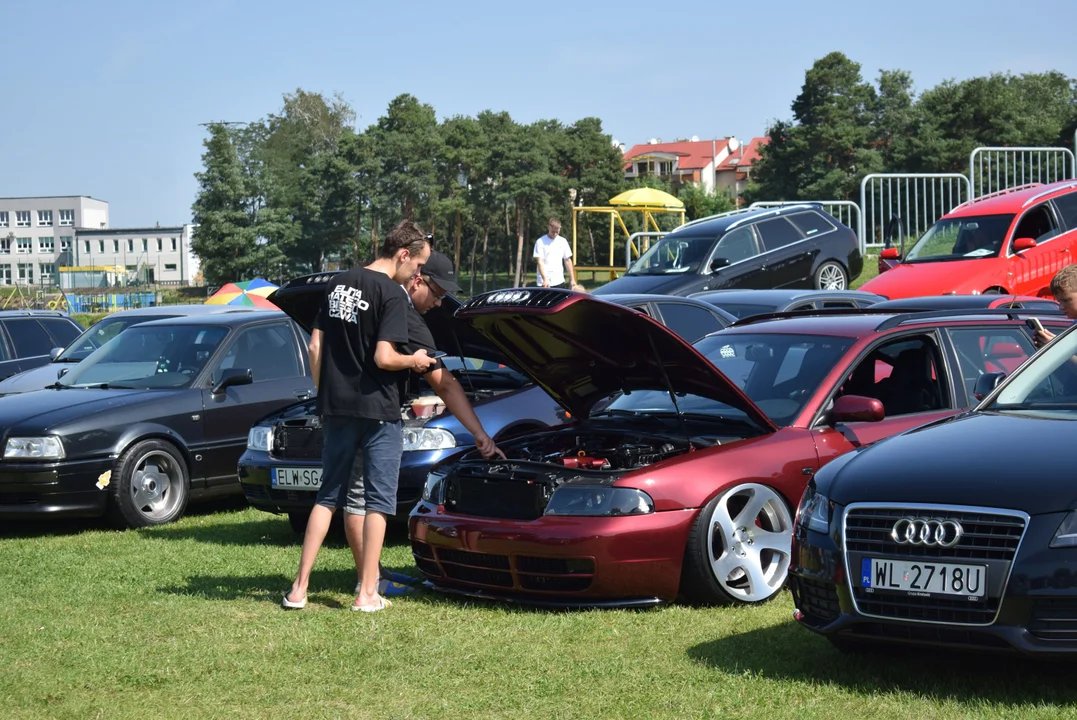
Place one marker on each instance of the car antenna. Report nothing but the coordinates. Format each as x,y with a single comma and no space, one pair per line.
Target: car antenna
1013,301
669,389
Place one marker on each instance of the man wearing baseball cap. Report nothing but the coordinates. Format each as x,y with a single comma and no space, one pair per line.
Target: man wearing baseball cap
439,269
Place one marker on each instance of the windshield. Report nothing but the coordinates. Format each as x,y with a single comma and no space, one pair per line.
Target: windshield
168,356
1047,386
675,253
100,333
962,238
777,372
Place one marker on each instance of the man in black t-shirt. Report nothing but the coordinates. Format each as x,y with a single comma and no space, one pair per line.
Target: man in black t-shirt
355,365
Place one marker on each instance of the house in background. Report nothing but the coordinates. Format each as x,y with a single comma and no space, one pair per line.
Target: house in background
722,165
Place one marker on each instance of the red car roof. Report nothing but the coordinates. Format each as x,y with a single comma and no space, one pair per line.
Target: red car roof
1012,201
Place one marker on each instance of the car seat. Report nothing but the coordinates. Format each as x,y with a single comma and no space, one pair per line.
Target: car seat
910,387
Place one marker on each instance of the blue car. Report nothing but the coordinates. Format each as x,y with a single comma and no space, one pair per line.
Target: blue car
280,472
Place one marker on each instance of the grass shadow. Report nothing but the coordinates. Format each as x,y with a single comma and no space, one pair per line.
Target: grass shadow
51,527
788,652
267,530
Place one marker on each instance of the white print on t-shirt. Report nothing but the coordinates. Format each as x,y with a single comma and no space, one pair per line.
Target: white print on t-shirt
346,302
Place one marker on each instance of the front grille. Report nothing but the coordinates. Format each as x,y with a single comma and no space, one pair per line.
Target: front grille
265,492
472,492
988,537
1054,619
521,572
297,443
817,600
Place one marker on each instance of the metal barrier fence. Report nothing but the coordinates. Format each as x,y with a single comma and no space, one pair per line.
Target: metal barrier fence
997,168
895,206
634,250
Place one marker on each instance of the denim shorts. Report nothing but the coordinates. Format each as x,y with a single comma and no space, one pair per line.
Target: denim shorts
360,464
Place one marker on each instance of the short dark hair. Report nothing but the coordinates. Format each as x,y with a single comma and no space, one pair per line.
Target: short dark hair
407,235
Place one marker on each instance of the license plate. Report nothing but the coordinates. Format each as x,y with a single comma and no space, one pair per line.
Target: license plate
926,579
297,478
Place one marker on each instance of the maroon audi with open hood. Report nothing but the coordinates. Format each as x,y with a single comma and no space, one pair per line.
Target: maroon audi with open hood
677,474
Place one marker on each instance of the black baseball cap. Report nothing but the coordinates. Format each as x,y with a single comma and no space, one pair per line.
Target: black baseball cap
439,269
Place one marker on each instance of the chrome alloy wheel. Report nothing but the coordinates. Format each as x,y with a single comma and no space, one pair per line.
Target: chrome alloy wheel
751,532
156,485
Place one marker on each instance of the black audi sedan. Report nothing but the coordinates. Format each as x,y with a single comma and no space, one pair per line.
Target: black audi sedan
796,246
156,416
959,533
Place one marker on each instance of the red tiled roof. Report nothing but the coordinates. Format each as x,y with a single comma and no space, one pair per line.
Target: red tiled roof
693,155
746,155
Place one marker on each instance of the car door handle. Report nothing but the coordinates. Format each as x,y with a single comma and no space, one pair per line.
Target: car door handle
303,394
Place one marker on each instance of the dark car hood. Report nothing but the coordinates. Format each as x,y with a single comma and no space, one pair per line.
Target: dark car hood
48,408
656,284
581,349
302,297
982,459
33,379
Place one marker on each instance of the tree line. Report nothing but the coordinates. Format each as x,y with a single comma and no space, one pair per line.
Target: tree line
303,189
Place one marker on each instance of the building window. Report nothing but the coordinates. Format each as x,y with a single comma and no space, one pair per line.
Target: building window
67,217
115,246
26,272
173,244
130,245
131,269
22,218
44,218
101,246
24,245
87,242
65,244
160,245
3,220
170,267
145,244
5,246
46,272
46,245
5,274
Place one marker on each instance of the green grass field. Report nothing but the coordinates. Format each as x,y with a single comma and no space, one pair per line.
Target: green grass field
183,621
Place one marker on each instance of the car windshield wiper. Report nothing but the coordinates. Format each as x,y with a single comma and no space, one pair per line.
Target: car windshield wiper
57,386
108,386
616,412
69,359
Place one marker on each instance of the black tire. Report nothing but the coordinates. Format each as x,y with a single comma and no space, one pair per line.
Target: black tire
699,586
298,521
831,276
150,485
995,291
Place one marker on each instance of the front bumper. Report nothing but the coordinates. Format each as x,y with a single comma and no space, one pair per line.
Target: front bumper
1037,612
563,561
255,477
61,489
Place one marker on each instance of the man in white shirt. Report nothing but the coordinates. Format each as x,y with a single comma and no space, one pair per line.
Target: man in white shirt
551,250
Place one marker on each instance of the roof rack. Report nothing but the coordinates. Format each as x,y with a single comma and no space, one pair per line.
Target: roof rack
1037,196
998,193
896,317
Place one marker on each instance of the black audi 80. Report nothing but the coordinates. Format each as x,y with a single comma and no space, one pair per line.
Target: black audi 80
157,415
960,533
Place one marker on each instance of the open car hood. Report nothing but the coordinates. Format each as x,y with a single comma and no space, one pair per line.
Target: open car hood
302,297
581,349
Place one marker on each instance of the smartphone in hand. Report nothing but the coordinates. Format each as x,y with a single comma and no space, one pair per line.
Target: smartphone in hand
1035,324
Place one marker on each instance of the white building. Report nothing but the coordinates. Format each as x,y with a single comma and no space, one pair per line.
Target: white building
37,235
160,255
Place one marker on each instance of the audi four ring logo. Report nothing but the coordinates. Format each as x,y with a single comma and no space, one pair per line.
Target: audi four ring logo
922,531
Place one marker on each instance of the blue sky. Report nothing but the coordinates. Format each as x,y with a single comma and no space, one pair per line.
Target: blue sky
105,98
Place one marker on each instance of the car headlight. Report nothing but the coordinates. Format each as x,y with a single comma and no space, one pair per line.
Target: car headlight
599,501
814,511
34,448
432,490
1066,535
260,437
428,439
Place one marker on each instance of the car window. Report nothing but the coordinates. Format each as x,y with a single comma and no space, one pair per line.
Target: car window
838,304
777,233
29,338
810,305
689,321
988,350
678,252
268,351
811,223
62,331
1038,224
1067,208
1047,386
903,375
101,332
736,246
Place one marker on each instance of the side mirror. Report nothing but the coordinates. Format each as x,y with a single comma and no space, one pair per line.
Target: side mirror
55,353
857,408
890,253
719,263
986,384
1023,243
62,372
232,377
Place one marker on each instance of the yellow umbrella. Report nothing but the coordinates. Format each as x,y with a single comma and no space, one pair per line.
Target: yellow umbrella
646,197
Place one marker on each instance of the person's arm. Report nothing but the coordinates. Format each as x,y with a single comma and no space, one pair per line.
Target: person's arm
314,353
387,358
448,389
541,268
570,271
